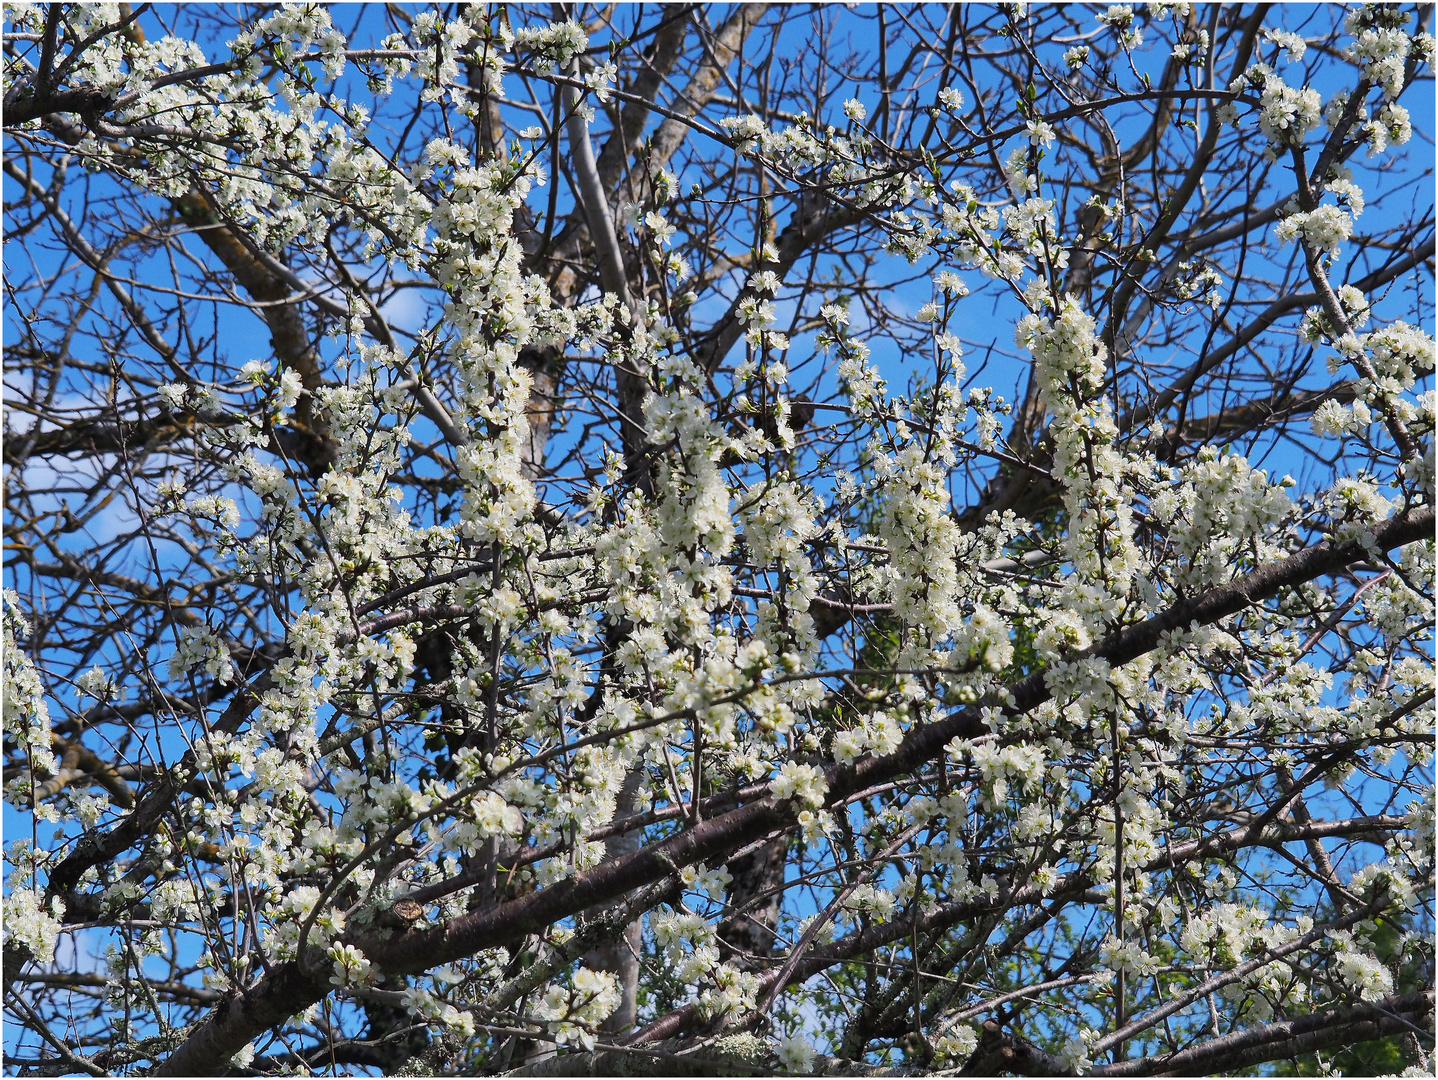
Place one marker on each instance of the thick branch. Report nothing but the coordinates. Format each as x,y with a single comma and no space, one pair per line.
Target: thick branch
1321,1030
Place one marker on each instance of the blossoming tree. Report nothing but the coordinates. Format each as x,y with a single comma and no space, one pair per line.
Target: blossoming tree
695,540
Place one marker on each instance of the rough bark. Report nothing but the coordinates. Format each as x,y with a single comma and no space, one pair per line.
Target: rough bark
755,894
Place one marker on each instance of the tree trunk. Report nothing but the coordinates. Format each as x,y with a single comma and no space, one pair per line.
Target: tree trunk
748,931
620,957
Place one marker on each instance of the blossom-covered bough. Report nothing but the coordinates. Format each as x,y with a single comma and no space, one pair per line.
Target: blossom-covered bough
718,540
